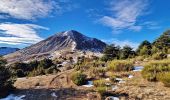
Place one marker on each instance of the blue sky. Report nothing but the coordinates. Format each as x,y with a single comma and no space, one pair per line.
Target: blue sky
123,22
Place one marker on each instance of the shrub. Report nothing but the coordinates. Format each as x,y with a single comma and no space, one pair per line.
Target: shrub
20,73
6,81
46,63
159,56
154,68
139,58
99,83
113,78
101,72
34,68
164,78
120,65
101,89
33,64
98,72
78,78
52,70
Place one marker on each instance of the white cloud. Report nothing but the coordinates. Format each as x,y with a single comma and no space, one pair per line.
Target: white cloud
121,43
125,14
30,9
11,33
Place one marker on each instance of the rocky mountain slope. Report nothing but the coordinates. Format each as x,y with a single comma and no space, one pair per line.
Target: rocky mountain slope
63,41
7,50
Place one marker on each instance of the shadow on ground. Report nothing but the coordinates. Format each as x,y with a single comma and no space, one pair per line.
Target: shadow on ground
52,94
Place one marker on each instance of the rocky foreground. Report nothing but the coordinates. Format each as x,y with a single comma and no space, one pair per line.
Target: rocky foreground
60,87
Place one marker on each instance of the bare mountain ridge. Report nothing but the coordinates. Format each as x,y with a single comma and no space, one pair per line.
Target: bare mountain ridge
67,40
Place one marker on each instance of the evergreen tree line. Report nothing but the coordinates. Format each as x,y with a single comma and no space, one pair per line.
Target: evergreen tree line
158,49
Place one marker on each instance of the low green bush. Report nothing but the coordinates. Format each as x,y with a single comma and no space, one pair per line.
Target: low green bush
98,72
159,56
101,89
120,65
152,70
78,78
139,58
113,78
164,78
99,83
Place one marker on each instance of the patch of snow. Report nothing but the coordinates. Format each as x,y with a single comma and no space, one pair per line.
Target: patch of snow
107,84
138,68
70,33
130,76
113,98
73,46
122,81
75,59
107,79
54,95
23,78
64,63
89,84
114,88
13,97
119,79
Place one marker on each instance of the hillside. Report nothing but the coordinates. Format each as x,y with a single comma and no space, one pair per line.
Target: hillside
68,41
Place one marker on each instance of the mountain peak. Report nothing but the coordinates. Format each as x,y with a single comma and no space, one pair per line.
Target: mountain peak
70,33
64,41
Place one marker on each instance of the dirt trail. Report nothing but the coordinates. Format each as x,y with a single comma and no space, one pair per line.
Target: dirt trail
62,80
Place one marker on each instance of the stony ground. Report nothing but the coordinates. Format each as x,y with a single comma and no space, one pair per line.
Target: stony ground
139,89
60,87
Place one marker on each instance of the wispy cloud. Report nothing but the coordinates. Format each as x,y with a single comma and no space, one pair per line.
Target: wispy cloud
151,25
125,14
31,9
121,43
14,34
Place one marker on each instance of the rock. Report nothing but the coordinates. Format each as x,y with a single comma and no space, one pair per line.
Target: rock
140,96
